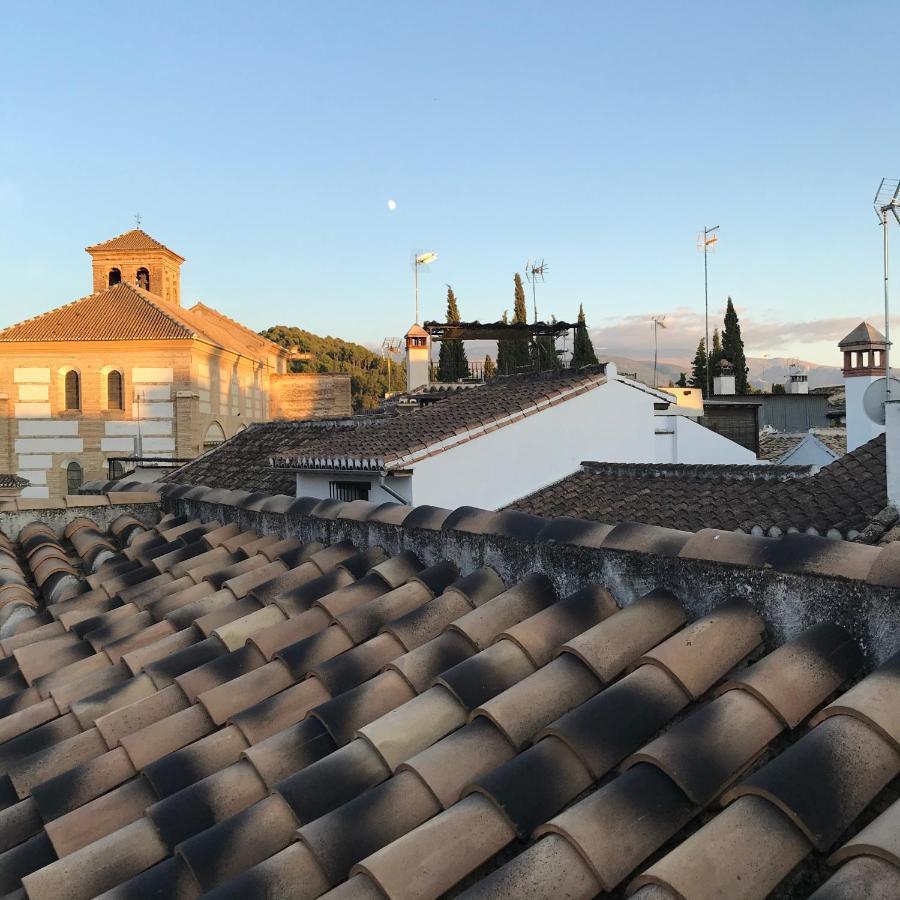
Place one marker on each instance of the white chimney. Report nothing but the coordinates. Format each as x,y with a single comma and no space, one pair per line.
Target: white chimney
418,357
798,383
723,379
863,351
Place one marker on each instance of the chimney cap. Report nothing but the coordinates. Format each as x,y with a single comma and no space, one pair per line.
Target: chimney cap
864,335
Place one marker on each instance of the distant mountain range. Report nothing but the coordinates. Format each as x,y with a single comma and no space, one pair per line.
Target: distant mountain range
763,372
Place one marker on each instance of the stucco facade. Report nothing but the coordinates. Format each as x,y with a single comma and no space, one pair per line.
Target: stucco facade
141,376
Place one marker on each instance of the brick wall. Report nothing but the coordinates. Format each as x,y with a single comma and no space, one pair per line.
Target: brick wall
309,396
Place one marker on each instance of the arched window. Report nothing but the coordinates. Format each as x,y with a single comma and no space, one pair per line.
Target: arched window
143,279
214,436
73,390
74,478
115,398
115,276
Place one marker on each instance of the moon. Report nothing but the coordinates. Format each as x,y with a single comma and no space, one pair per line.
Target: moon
392,205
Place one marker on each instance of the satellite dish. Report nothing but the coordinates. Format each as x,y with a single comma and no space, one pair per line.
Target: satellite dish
873,399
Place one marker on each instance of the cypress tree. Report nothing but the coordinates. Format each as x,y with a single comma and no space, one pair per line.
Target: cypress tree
682,380
505,365
452,362
490,370
583,350
733,348
520,347
698,367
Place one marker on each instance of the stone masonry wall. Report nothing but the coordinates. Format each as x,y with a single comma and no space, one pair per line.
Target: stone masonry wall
310,396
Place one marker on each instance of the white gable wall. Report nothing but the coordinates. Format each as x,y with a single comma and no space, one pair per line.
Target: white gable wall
612,423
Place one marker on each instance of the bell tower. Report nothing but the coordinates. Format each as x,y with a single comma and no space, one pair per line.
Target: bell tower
139,260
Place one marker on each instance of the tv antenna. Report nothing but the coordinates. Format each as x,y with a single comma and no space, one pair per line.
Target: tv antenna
421,259
707,241
656,322
390,346
887,200
534,272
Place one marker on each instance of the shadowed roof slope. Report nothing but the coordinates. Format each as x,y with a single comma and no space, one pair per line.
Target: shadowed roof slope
243,460
497,403
846,495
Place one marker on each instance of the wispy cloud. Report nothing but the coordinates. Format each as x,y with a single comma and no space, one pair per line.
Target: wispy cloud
814,339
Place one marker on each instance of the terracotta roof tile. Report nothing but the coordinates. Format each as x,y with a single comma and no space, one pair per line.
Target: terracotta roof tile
136,239
408,723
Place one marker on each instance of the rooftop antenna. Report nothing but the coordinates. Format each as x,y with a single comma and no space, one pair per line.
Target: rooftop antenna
137,220
534,272
707,241
887,200
421,259
390,346
656,322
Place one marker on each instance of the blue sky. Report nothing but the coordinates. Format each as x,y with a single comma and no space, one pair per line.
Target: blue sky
262,141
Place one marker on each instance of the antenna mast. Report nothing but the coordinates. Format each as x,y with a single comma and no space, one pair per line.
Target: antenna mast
656,322
887,199
534,272
707,241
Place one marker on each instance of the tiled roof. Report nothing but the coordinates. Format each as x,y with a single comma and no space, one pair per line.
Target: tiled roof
136,239
774,446
125,313
459,418
122,312
864,333
217,711
13,481
844,496
243,460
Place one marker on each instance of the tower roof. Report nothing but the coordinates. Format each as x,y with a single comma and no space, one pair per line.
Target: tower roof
864,333
416,330
136,239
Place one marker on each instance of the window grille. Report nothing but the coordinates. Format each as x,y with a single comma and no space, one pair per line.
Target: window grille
349,490
74,478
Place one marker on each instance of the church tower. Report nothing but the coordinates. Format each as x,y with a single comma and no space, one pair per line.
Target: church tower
140,260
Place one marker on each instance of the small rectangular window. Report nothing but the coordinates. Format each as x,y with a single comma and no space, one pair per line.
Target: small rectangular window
349,490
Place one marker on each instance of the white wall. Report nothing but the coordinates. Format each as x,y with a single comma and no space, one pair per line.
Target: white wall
317,484
611,423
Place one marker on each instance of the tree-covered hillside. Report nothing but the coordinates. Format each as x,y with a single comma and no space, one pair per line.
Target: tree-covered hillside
368,371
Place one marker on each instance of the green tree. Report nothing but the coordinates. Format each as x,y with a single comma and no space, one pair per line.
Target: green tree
368,371
546,359
505,364
698,367
583,350
682,380
490,370
452,362
520,346
778,389
733,348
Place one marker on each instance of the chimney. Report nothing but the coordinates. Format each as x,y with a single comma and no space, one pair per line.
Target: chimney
723,380
863,351
418,357
798,383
